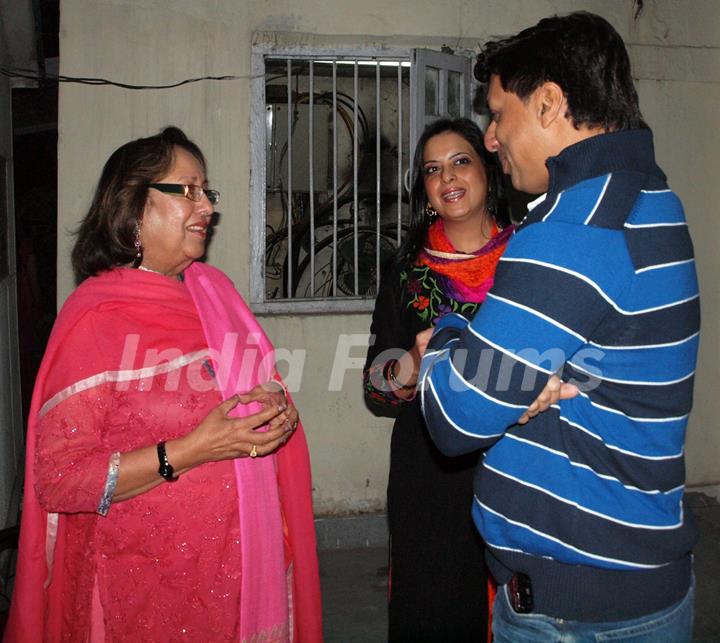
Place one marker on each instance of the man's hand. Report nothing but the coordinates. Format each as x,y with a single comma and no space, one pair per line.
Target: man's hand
408,366
554,390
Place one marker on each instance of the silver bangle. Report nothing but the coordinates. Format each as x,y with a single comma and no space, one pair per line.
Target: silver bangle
110,483
393,379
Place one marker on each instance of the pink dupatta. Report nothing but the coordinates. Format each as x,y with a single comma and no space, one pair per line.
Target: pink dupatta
282,479
265,485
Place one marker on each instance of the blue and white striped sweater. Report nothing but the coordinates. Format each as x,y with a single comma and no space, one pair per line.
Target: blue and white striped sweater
599,283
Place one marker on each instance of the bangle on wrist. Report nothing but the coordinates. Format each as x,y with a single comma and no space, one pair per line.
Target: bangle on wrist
166,470
392,378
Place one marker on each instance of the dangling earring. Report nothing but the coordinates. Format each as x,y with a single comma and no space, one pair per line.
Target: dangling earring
430,212
492,204
138,245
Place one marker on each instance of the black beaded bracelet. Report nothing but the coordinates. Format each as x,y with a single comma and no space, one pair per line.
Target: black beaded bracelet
166,470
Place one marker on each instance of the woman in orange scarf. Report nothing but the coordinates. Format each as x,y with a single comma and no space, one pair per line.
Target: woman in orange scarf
459,228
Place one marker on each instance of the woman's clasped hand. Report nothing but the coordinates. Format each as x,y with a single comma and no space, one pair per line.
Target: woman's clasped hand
220,436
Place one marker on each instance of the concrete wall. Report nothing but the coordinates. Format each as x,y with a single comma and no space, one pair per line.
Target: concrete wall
677,61
674,46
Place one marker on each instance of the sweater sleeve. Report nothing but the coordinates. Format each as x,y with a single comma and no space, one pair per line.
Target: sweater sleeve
477,378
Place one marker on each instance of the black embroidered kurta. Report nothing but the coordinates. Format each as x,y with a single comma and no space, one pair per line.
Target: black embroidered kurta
438,581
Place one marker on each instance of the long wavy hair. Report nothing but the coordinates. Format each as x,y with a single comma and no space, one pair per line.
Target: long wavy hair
419,221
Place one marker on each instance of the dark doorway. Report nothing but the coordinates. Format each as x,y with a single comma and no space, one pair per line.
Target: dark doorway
35,135
35,172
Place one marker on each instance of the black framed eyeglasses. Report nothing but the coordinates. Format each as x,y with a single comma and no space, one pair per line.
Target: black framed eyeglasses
192,192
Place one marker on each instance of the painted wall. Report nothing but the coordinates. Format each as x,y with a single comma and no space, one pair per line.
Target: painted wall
674,47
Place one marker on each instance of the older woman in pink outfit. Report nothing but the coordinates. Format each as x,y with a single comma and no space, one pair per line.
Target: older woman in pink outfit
167,493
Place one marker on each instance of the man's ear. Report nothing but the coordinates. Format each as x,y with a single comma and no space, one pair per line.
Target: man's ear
550,103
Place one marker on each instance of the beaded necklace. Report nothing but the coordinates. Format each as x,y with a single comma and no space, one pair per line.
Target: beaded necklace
178,276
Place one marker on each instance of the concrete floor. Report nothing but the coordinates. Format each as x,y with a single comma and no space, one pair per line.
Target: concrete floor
707,569
354,584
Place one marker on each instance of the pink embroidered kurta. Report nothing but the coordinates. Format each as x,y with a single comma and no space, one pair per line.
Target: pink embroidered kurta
166,563
128,365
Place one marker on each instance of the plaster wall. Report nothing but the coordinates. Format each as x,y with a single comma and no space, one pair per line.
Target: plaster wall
674,47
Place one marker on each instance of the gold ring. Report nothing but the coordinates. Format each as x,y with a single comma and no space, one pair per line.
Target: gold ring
253,451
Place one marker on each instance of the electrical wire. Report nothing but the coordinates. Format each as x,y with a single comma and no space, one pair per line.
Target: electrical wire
15,72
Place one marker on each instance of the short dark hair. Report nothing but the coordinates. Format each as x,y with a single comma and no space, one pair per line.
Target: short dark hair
583,54
419,221
106,236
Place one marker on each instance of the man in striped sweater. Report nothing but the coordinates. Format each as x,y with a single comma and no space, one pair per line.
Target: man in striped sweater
581,507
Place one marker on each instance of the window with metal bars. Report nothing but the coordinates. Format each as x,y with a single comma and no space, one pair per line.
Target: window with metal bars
332,137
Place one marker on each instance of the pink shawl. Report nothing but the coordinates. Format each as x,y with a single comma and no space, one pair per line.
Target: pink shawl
282,479
221,309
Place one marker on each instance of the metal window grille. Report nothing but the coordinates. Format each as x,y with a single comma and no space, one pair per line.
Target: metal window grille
332,138
335,148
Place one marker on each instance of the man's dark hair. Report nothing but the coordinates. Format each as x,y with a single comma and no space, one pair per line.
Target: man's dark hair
583,54
419,220
106,236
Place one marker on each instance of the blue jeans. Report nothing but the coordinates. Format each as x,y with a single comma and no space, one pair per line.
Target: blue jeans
671,625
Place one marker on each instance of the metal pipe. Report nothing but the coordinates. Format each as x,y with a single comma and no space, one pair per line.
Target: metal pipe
289,173
378,168
335,186
399,152
311,145
355,176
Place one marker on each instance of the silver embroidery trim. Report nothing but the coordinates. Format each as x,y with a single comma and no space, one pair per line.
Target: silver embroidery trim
50,539
121,376
110,483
